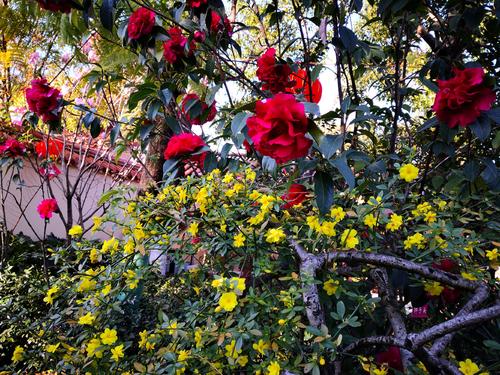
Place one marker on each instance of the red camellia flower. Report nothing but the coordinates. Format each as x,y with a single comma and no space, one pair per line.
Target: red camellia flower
47,207
274,75
194,4
12,148
301,86
55,148
450,295
447,265
461,99
278,128
392,357
297,193
217,24
184,145
43,100
63,6
50,171
174,48
206,114
199,36
141,23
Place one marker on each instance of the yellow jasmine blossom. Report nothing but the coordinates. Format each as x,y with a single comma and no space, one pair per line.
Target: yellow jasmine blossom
260,346
254,195
52,348
422,209
86,319
109,336
250,175
328,228
321,361
330,286
117,352
217,283
408,172
395,222
441,204
349,239
49,298
434,288
92,348
75,231
281,322
97,220
468,276
337,213
172,328
370,220
417,239
239,240
18,354
198,337
94,255
238,283
313,222
193,229
223,227
379,371
492,254
228,301
183,355
105,291
257,219
274,368
110,245
231,351
228,178
430,217
468,367
242,360
275,235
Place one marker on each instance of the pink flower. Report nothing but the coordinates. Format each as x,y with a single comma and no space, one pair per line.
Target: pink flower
47,207
34,58
43,100
12,148
50,172
420,312
274,75
174,49
140,23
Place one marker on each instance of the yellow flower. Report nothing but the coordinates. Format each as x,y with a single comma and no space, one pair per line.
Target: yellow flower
109,336
86,319
183,355
193,229
18,354
117,352
228,301
217,283
92,348
468,276
328,228
408,172
242,360
75,231
492,254
223,227
313,222
250,175
417,239
337,213
330,286
94,255
372,201
321,361
434,288
198,337
239,240
110,245
370,221
441,204
144,338
260,346
275,235
52,348
274,368
430,217
254,195
395,222
349,239
257,219
468,367
379,371
105,291
231,351
238,283
97,220
421,209
228,178
282,322
172,328
49,298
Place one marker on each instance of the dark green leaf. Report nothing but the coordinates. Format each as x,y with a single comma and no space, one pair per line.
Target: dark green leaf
106,14
330,144
345,171
323,189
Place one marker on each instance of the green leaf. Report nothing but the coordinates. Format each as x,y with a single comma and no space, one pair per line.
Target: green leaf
345,171
323,189
106,196
341,309
481,128
239,122
330,144
95,127
115,132
348,38
106,14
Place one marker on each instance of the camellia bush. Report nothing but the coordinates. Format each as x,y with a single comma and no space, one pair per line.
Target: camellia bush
272,233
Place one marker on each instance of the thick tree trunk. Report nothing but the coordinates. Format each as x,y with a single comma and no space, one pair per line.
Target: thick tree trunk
153,172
